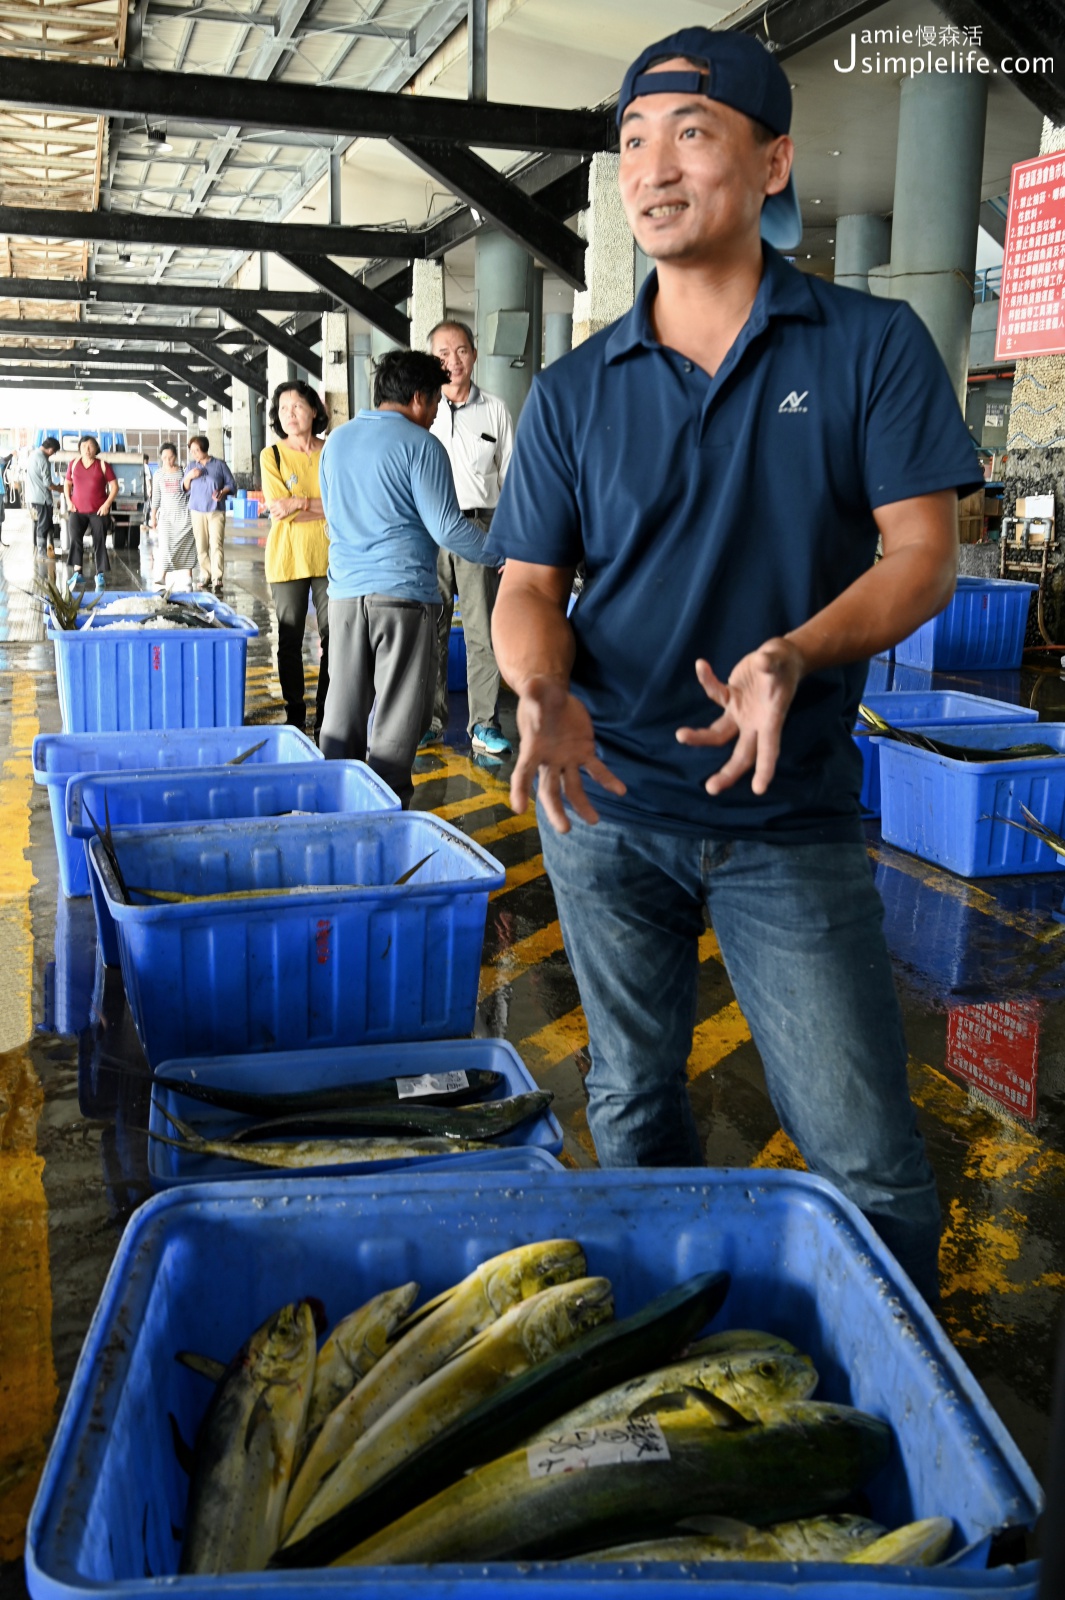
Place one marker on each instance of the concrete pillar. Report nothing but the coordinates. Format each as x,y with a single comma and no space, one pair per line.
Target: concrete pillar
610,271
214,429
361,389
938,172
426,301
503,278
334,386
257,430
536,342
240,459
558,335
863,241
279,369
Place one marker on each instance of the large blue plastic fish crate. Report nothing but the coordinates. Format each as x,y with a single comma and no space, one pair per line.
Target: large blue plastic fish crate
351,958
168,1166
209,794
963,814
110,681
915,710
57,757
198,1268
983,626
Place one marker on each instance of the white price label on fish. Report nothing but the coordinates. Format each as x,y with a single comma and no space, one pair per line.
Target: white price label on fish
639,1439
431,1083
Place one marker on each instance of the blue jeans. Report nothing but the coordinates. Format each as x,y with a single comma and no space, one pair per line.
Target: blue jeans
800,931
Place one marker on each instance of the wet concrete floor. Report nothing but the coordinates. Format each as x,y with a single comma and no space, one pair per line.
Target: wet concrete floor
979,967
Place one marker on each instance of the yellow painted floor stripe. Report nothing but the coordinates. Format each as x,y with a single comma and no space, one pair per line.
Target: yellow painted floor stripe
28,1387
779,1152
556,1040
462,808
522,872
507,828
527,952
716,1038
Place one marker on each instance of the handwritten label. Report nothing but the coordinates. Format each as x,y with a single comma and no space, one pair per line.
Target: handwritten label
157,657
321,941
639,1439
431,1083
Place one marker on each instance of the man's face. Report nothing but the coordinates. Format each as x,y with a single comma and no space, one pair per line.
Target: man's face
197,452
89,451
693,174
451,346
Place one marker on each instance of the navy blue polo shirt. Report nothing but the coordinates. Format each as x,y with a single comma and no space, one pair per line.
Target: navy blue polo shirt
713,514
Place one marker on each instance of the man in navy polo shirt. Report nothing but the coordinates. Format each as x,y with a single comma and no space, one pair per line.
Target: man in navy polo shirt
722,460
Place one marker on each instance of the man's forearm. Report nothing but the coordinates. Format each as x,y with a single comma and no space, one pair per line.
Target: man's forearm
531,637
884,605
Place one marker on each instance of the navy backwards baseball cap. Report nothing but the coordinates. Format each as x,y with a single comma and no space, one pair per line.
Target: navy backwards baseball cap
740,73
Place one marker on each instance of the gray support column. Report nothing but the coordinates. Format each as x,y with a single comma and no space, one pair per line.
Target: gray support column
938,172
279,369
426,301
334,385
503,275
536,345
361,385
214,430
240,436
610,260
558,335
862,242
257,430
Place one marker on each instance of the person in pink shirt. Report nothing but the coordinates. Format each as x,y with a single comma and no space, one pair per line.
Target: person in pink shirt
89,491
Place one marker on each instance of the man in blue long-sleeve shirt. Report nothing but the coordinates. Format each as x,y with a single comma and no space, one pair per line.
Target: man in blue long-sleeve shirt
389,500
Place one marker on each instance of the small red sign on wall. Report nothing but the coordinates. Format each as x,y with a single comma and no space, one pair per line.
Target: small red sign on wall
995,1048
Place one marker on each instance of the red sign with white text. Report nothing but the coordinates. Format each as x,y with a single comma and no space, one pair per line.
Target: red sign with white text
996,1049
1031,313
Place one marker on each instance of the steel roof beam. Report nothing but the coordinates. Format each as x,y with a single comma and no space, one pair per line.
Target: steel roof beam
208,233
136,332
350,113
197,380
500,201
233,366
196,297
267,332
355,295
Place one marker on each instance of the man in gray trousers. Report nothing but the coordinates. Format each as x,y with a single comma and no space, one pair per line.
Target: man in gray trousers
390,503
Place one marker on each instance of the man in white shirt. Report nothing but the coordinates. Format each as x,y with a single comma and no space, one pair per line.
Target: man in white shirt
476,430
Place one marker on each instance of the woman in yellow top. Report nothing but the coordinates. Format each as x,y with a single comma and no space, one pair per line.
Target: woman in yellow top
297,551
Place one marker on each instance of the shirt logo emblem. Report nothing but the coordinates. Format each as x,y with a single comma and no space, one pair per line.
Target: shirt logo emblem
793,405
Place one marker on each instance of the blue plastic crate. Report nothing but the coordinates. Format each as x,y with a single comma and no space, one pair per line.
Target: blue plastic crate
297,1069
153,678
199,1267
951,812
456,659
878,679
57,757
353,958
983,626
211,794
946,707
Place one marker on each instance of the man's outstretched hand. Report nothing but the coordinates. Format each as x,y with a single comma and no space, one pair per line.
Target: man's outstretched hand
754,702
557,740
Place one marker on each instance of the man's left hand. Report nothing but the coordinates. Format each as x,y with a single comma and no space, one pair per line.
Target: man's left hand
754,703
